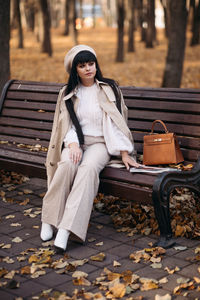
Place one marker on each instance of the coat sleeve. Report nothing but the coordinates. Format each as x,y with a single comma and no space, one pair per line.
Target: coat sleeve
115,139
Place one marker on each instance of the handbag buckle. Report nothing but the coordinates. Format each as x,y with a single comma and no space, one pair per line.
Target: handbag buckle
158,140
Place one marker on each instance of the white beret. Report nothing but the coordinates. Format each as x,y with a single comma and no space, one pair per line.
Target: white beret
69,57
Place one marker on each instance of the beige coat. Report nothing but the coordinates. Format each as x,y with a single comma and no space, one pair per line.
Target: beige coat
62,122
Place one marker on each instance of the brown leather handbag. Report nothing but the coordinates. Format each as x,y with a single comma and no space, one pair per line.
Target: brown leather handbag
160,149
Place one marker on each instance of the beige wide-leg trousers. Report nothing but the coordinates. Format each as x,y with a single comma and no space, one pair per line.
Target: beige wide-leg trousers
69,200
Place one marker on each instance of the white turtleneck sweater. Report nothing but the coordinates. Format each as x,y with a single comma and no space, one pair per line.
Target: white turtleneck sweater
90,117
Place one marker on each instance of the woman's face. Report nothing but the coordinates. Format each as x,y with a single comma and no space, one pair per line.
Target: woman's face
86,72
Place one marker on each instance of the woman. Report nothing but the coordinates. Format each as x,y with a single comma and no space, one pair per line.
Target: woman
89,126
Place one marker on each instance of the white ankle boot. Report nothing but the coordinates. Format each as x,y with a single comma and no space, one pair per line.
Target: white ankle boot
61,239
46,233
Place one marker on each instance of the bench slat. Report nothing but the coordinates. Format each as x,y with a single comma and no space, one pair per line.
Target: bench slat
145,126
123,175
163,105
127,191
26,141
29,105
34,115
165,116
40,97
19,132
8,121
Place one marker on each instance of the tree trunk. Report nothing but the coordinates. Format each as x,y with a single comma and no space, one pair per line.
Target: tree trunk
196,24
150,33
94,13
166,19
131,27
17,22
4,42
120,30
72,21
81,13
46,42
29,11
66,30
176,48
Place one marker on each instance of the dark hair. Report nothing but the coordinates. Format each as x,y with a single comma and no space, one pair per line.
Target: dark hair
84,57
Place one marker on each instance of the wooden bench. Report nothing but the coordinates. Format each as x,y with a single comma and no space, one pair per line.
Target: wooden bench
26,115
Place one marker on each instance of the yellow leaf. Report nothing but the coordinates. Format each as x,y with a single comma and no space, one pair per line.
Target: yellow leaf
118,290
25,270
81,281
116,264
112,276
197,279
3,272
149,286
99,257
79,274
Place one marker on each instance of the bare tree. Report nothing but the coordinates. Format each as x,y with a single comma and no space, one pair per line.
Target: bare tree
72,21
17,22
151,30
120,30
4,42
46,41
164,5
66,30
131,27
176,48
29,14
196,23
93,13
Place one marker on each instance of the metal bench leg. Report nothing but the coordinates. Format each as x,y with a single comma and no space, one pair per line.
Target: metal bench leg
163,186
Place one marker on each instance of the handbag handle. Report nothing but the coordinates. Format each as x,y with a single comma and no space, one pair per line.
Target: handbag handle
161,122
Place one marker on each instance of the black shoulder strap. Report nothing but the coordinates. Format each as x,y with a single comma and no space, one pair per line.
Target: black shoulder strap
70,108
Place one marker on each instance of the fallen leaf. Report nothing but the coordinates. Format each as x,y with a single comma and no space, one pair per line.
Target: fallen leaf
25,202
79,274
118,290
15,224
25,270
90,240
180,248
182,280
38,273
10,275
99,244
165,297
197,279
8,260
156,266
163,280
116,264
17,240
172,271
10,217
99,257
81,281
27,191
3,272
149,286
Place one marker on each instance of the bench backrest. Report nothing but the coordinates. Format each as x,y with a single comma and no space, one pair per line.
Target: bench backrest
28,109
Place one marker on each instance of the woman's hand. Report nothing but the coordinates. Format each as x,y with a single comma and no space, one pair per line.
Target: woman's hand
75,152
129,161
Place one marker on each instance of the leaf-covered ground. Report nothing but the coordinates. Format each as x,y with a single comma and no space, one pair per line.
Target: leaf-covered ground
143,68
90,275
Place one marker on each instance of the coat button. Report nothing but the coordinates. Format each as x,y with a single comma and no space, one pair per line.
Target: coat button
53,146
51,164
